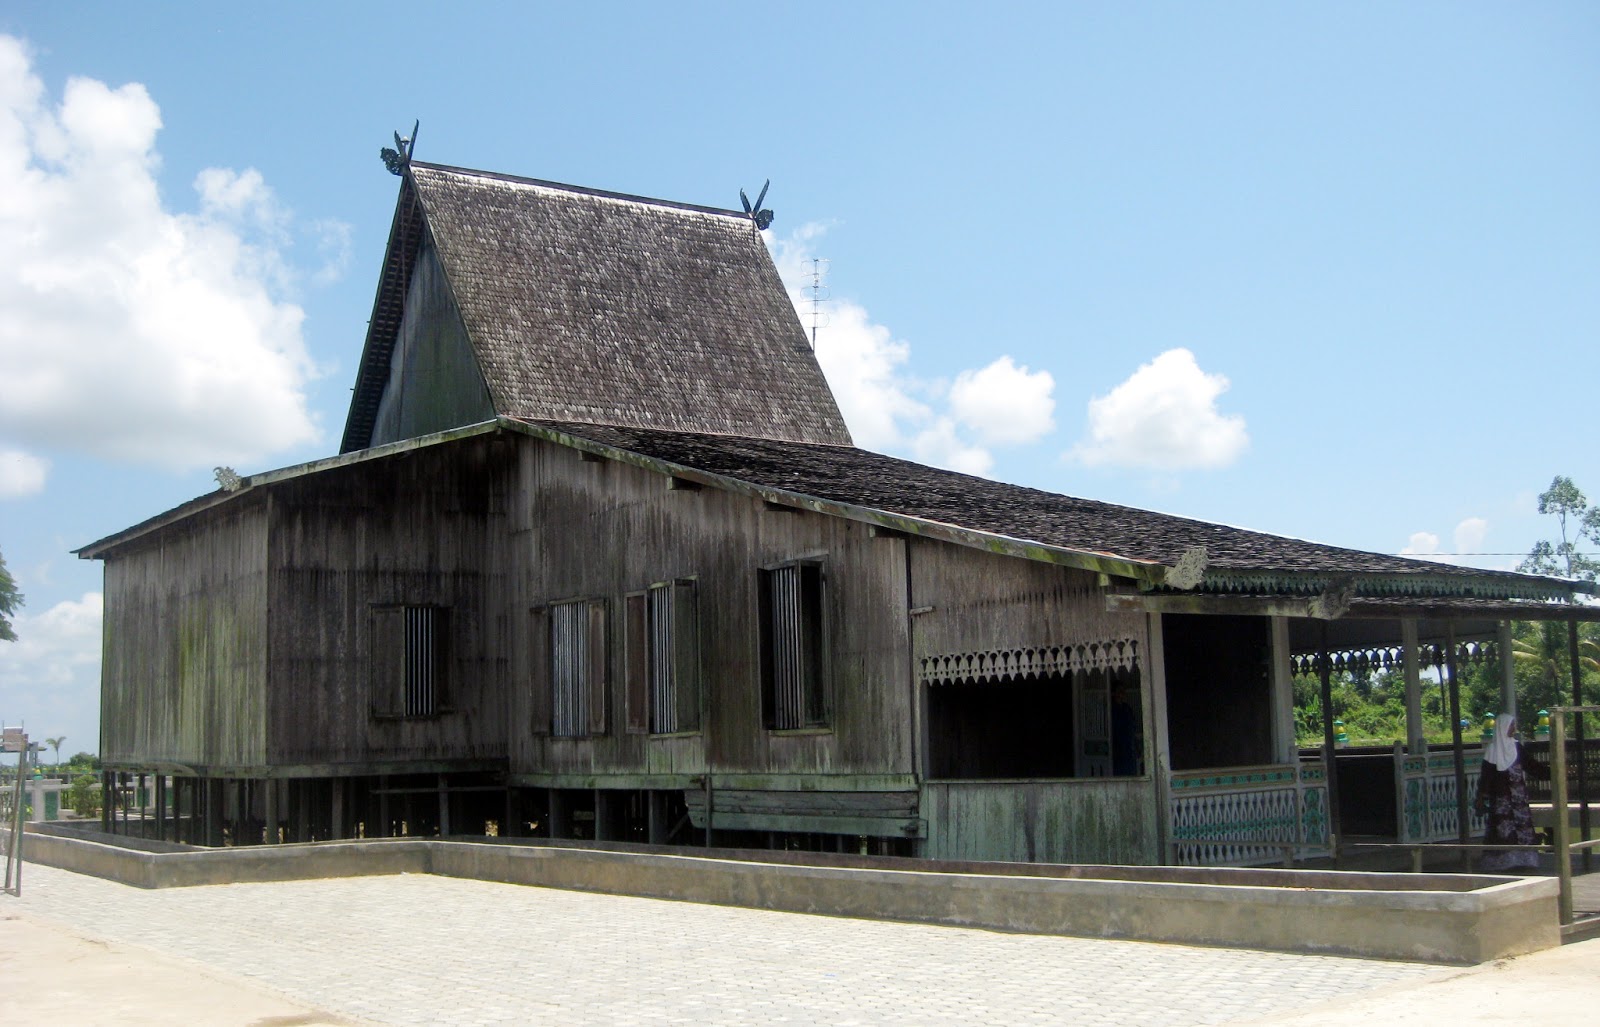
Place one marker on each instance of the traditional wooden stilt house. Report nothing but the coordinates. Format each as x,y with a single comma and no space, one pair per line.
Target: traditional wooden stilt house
599,560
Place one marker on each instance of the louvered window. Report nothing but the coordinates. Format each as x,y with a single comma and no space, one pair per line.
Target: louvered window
793,646
410,660
578,662
663,659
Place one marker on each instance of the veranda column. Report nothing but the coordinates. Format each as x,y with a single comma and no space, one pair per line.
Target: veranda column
1159,756
1284,749
1508,677
1416,736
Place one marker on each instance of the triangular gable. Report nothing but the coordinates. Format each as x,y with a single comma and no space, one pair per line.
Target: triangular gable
587,306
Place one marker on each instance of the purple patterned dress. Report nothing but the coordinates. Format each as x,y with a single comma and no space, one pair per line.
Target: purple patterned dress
1503,799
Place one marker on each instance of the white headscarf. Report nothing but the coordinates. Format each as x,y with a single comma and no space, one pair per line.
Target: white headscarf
1502,750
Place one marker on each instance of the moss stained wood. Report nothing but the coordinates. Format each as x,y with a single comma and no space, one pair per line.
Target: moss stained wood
637,530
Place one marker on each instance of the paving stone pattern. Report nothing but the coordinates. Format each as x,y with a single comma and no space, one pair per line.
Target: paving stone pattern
418,949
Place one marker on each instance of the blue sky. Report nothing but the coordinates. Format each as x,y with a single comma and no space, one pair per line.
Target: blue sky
1323,270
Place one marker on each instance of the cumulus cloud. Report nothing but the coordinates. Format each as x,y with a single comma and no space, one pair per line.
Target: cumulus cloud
54,647
938,444
1470,534
1422,543
52,671
889,409
1164,417
131,331
1004,403
21,474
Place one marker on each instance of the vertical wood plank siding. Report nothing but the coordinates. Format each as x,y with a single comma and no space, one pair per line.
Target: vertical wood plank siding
185,655
424,531
604,528
977,602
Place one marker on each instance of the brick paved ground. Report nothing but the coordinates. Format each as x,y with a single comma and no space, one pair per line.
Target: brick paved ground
417,949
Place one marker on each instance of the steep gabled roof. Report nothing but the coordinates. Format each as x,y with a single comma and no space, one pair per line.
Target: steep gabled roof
596,307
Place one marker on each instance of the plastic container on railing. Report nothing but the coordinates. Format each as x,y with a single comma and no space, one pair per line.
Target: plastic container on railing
1542,732
1488,728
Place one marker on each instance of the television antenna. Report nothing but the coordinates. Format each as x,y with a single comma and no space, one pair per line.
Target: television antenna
819,296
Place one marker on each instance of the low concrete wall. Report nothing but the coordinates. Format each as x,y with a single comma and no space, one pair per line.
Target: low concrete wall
1440,918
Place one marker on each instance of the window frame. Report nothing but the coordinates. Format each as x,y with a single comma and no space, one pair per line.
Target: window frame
664,684
809,686
411,661
579,670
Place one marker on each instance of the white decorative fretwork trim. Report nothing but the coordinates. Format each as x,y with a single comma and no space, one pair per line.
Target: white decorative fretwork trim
1029,661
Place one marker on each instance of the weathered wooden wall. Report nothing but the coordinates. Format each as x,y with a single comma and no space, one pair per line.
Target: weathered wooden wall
420,529
1084,821
978,601
434,380
973,602
185,655
601,529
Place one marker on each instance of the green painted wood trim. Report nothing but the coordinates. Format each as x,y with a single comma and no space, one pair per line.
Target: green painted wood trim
720,782
877,827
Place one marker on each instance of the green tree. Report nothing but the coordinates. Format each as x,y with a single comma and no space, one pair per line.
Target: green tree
1576,522
10,602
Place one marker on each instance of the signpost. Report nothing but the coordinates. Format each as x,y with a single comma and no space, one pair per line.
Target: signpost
14,739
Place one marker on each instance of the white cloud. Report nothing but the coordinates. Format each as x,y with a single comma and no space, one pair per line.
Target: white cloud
1005,403
890,410
133,332
937,444
51,673
1470,534
1422,543
1164,417
53,648
21,474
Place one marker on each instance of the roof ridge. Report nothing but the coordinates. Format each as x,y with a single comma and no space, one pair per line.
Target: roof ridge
582,190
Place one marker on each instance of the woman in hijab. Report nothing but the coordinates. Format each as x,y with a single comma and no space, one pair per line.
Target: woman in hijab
1503,799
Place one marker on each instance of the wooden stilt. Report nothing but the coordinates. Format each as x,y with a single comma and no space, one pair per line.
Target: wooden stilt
270,802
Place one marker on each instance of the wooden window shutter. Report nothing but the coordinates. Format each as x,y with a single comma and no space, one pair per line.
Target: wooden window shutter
387,659
637,642
686,654
541,683
596,663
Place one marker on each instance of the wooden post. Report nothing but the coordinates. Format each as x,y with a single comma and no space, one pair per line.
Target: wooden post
1508,677
214,811
1558,806
300,808
384,831
1158,743
1284,749
108,822
658,818
270,814
1416,735
444,807
1463,823
1577,736
1329,763
710,809
336,808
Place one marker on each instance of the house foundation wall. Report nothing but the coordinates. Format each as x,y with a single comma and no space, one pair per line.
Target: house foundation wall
1438,918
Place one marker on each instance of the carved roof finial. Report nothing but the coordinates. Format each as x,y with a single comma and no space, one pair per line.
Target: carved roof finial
397,159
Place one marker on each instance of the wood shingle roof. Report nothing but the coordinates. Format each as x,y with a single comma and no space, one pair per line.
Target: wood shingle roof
590,306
